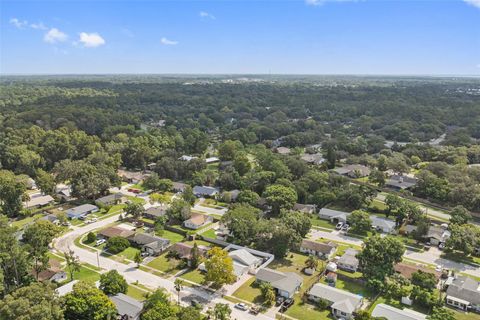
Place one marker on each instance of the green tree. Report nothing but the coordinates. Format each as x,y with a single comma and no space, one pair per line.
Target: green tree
297,221
378,257
178,287
280,197
112,283
35,301
219,267
189,313
160,223
179,210
138,258
188,196
91,237
425,280
249,197
464,238
134,209
12,192
441,313
242,164
222,311
360,222
331,157
86,302
311,262
460,215
45,182
37,237
73,262
195,256
117,244
228,149
158,306
268,293
378,177
241,220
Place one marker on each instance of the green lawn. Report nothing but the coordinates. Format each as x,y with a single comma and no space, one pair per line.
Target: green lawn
129,253
135,199
352,287
459,315
194,276
307,311
164,264
22,222
136,293
210,233
116,208
317,222
172,236
138,186
249,291
84,274
200,243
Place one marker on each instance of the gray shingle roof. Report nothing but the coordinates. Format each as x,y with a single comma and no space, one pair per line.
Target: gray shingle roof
126,305
465,288
287,281
391,313
342,300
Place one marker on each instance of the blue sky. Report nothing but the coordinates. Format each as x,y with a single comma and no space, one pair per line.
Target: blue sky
279,37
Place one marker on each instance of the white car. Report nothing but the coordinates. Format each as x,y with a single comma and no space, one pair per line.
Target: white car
100,242
339,225
94,219
345,227
241,306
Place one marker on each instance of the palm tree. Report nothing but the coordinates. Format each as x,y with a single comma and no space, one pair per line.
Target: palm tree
178,287
312,262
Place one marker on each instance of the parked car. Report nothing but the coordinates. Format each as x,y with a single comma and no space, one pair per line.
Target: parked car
145,254
286,304
94,219
100,242
254,310
345,227
279,301
241,306
195,303
339,225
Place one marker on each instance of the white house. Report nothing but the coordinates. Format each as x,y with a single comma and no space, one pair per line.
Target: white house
391,313
348,261
197,220
244,261
343,303
285,283
382,224
333,215
464,293
319,249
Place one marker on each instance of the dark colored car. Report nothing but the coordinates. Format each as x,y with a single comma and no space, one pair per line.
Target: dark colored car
195,303
279,301
287,304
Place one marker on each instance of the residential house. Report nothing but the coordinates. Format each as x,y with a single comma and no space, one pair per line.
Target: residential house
63,192
343,303
464,293
244,261
408,229
38,200
81,211
109,200
178,186
134,177
184,251
319,249
30,183
150,244
398,182
284,283
315,159
187,158
348,261
197,220
383,225
127,307
353,171
333,215
66,288
283,150
205,191
437,235
110,232
53,273
407,270
305,208
155,212
391,313
52,218
212,160
232,195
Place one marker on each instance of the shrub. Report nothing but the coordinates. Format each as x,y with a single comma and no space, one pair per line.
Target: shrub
91,237
117,244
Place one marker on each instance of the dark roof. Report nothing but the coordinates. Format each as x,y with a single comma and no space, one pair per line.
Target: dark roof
145,239
110,198
401,182
324,248
126,305
407,270
156,211
185,250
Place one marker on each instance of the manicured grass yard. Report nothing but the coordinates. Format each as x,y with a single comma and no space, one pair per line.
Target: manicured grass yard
249,291
136,293
200,243
22,222
194,276
84,274
164,264
172,236
129,253
317,222
466,315
210,233
307,311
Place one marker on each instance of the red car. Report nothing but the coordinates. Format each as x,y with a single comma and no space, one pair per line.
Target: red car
134,191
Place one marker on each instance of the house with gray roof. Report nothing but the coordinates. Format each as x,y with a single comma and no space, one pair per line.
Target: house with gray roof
205,191
437,235
391,313
382,224
333,215
315,159
155,212
305,208
81,211
319,249
348,261
464,293
38,200
353,171
127,307
153,245
284,283
343,303
109,200
178,186
244,261
398,182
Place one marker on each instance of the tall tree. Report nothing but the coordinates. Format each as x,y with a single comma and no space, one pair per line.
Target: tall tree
158,306
219,267
73,262
45,182
360,221
134,209
280,197
86,302
112,283
12,193
460,215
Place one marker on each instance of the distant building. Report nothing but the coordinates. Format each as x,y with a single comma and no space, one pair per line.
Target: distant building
333,215
353,171
178,186
38,200
283,150
81,211
398,182
63,192
342,303
382,224
305,208
197,220
437,235
385,311
205,191
315,159
127,307
212,160
155,212
187,158
132,176
150,244
115,231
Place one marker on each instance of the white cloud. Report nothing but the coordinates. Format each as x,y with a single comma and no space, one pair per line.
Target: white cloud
168,42
18,23
475,3
321,2
54,35
204,14
38,26
91,40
